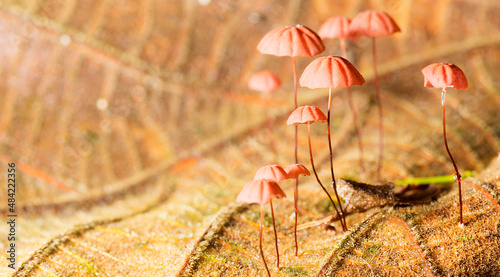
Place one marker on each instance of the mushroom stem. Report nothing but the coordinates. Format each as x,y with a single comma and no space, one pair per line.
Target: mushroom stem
334,184
295,198
316,174
260,237
353,111
275,236
380,115
296,185
457,174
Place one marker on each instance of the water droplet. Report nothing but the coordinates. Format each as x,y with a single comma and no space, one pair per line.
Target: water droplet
65,40
102,104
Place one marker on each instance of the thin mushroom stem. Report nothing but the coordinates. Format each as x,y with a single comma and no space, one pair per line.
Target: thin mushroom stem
316,175
354,114
334,184
380,115
260,238
457,174
275,236
296,219
296,184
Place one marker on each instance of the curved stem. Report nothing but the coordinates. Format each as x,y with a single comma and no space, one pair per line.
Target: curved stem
457,174
295,198
316,174
380,115
275,236
260,238
334,184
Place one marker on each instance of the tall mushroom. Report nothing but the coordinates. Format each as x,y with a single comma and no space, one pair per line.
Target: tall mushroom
331,72
338,27
277,174
443,75
307,115
261,192
373,24
292,41
294,171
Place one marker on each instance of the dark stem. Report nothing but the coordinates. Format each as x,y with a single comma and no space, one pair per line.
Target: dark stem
316,174
334,184
380,116
457,174
260,240
275,236
295,198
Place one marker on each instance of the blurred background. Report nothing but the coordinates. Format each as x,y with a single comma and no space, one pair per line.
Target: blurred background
140,110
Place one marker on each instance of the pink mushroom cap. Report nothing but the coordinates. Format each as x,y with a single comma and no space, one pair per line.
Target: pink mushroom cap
294,41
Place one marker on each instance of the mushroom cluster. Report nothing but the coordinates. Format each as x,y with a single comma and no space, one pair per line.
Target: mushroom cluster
329,72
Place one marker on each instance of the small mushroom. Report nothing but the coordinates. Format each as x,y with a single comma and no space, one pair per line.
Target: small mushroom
373,24
307,115
338,27
277,174
443,75
331,72
294,171
272,172
261,192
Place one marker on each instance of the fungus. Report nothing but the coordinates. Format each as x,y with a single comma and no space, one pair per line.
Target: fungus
277,174
272,172
442,75
293,41
307,115
338,27
373,24
331,72
261,192
294,171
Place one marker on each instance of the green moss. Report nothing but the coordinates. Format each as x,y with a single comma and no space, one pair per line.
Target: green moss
294,271
371,251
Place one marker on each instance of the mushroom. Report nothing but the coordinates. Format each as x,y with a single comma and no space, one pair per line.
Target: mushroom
331,72
338,27
373,24
277,174
294,171
307,115
261,192
443,75
293,41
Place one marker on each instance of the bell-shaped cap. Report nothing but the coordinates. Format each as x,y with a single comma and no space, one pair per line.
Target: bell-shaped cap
306,114
296,170
372,24
260,192
264,81
294,41
271,172
330,72
335,27
442,75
